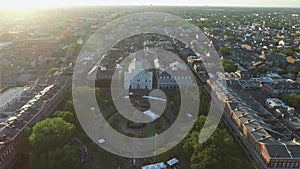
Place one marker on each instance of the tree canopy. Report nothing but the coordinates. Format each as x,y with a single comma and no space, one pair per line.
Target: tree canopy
291,99
53,70
228,65
211,153
66,115
288,52
225,51
64,158
50,134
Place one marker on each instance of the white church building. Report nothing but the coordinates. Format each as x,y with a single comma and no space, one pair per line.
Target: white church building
136,76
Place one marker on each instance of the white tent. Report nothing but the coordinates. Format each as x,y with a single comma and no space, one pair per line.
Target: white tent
155,166
172,162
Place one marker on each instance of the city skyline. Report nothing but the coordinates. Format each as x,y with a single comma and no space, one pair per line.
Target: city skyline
32,4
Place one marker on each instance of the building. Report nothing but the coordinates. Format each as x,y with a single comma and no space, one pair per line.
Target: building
136,75
267,140
11,96
38,103
250,84
244,73
270,142
281,87
177,79
295,60
178,76
275,103
100,76
275,60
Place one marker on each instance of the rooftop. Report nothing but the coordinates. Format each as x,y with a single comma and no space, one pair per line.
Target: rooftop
263,126
11,94
18,115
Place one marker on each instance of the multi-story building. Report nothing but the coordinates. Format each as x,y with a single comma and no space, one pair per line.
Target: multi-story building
282,87
103,77
137,76
270,142
38,103
172,81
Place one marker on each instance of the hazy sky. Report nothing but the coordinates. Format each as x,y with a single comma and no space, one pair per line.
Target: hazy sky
265,3
51,3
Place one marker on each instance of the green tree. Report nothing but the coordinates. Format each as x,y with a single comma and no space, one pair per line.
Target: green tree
228,65
211,153
288,52
69,106
192,139
206,158
49,137
225,51
274,51
50,134
297,35
64,158
66,115
294,70
296,49
291,99
53,70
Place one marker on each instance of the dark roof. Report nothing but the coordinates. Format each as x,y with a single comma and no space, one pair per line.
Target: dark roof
174,73
277,151
29,105
101,74
286,85
295,150
276,57
233,105
296,57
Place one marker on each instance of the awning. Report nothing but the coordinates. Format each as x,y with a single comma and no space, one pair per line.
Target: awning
155,166
172,162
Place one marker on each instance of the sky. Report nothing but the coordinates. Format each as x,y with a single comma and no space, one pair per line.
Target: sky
16,4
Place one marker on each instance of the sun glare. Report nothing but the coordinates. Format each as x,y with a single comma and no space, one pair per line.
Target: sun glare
31,4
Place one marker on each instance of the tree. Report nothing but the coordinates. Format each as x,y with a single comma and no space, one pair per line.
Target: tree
297,35
64,158
192,139
66,115
69,106
228,65
205,159
49,137
190,142
53,70
274,51
50,134
282,72
211,153
294,70
262,70
296,49
225,51
288,52
291,99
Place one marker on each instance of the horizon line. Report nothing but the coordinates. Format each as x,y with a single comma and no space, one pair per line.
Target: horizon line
147,5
